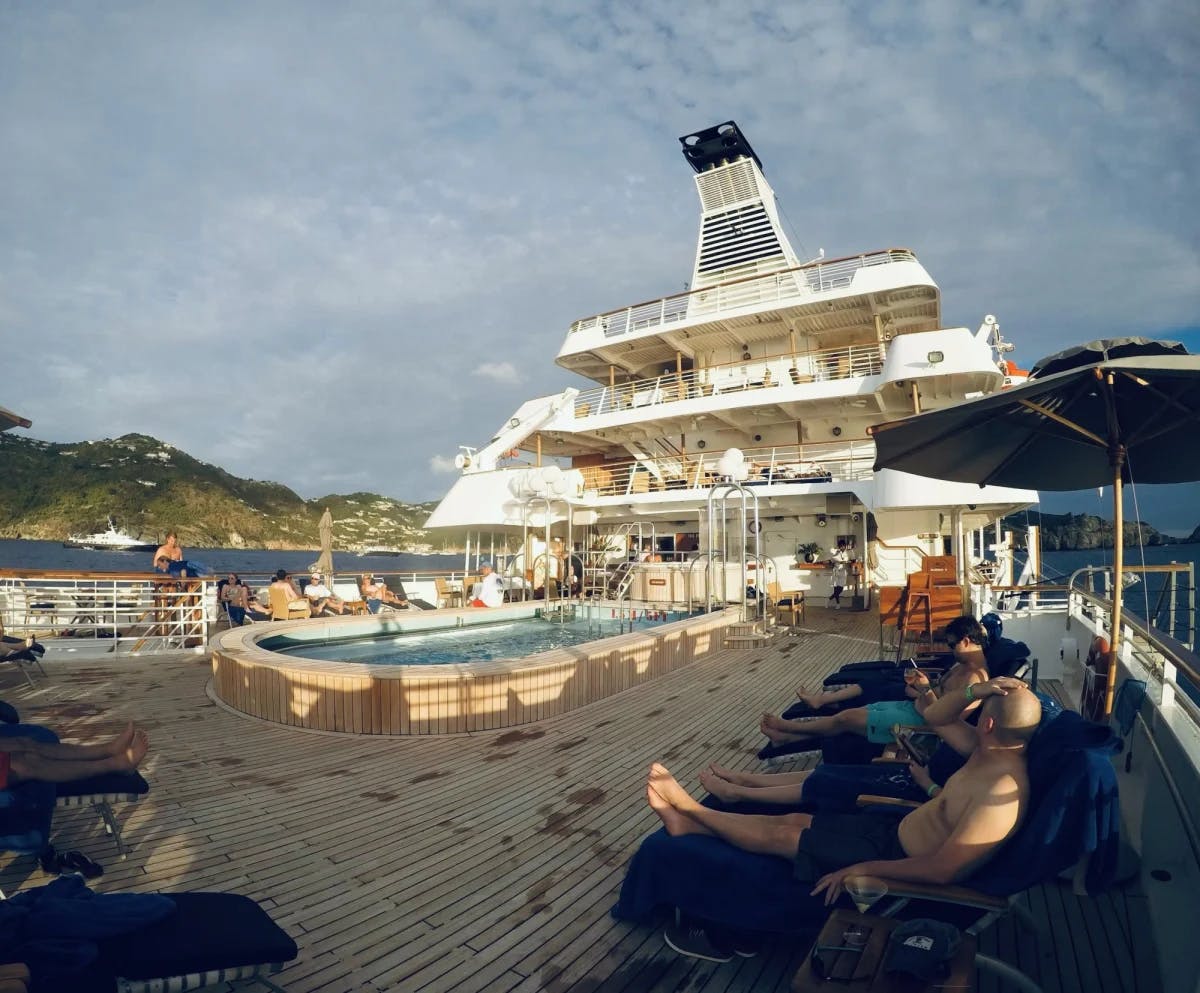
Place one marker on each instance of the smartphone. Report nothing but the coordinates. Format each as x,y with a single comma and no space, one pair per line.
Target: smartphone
918,745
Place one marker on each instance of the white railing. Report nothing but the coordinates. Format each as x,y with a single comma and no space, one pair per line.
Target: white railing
786,285
780,465
134,614
771,373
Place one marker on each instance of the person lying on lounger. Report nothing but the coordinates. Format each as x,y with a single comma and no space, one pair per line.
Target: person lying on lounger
942,841
965,637
19,649
376,593
23,759
786,789
321,597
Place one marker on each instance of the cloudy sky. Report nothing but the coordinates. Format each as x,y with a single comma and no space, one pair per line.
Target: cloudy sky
326,244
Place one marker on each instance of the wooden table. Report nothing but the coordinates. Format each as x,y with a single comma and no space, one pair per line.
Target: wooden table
861,972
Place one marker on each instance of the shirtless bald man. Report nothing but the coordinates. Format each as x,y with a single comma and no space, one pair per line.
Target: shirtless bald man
942,841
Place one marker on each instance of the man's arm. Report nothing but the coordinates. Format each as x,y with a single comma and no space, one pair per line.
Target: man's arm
952,705
959,735
980,831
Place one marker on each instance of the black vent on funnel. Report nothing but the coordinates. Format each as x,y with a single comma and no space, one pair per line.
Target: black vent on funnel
715,145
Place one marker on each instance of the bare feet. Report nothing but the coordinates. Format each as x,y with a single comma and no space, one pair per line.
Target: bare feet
138,746
667,787
675,821
122,741
719,787
769,725
727,774
813,700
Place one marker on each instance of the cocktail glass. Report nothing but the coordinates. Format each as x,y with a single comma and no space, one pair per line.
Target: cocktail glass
866,891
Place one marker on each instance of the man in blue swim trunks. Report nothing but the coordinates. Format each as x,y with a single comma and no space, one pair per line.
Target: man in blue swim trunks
965,637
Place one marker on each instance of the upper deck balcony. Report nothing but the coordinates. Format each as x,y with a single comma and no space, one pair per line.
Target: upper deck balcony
785,378
785,465
815,297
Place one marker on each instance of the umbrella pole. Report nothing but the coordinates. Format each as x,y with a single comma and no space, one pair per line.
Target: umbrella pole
1118,584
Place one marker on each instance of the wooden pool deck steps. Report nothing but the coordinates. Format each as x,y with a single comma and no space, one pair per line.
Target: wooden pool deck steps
483,862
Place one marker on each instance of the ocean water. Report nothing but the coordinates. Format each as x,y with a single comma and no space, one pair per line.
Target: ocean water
1147,597
21,554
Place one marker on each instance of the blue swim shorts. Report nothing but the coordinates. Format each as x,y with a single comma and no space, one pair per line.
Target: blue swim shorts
881,717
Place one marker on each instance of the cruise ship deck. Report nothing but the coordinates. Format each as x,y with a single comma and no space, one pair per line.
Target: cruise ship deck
480,862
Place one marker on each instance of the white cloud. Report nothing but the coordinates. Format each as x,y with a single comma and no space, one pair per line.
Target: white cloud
500,372
442,465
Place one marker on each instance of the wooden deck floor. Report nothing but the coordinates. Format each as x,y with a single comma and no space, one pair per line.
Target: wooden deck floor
482,862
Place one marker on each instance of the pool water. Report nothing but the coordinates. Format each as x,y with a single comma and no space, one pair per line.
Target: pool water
475,643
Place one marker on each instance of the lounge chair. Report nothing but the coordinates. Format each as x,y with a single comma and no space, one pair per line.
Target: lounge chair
26,810
282,609
1074,813
21,652
348,592
208,939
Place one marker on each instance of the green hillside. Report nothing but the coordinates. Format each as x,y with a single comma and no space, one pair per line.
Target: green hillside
51,491
1068,532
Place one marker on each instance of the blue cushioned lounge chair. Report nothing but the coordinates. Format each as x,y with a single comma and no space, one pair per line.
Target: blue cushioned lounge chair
1074,813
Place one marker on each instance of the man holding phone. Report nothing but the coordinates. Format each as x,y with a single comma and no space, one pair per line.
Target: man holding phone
965,637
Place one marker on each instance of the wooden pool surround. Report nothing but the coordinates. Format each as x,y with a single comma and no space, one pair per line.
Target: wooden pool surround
362,698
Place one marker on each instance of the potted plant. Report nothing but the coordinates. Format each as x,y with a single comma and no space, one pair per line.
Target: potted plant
810,551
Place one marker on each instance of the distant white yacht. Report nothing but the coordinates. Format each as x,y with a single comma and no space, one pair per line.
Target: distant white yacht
112,540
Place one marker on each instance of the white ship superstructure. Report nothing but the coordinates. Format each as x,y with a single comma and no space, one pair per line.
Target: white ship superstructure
785,361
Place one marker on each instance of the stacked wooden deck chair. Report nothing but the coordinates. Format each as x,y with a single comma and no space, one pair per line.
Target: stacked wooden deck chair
1073,822
76,941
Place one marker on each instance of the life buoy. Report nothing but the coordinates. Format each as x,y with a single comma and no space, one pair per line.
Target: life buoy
1096,676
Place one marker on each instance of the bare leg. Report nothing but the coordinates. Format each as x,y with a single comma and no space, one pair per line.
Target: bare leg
824,697
66,752
30,765
759,778
780,730
761,834
783,794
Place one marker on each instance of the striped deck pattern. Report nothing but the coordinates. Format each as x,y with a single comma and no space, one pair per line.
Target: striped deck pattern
475,862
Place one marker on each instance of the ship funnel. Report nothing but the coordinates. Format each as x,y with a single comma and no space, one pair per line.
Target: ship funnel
740,233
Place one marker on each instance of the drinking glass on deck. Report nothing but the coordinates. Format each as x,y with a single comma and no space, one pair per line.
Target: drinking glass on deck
865,891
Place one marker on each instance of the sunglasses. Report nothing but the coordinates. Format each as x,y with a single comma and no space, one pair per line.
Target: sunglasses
824,959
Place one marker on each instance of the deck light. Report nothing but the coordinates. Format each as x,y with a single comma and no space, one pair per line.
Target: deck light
822,521
935,357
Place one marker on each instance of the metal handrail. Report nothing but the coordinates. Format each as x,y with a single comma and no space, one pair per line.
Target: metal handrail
787,369
777,286
822,462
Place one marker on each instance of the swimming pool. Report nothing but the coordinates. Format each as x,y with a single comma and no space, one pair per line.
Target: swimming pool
516,682
514,638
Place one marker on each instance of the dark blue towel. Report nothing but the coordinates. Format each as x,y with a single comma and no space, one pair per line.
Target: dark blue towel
1004,656
716,882
54,928
1074,809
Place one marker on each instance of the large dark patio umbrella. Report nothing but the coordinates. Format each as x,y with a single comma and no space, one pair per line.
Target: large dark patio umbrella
1096,415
